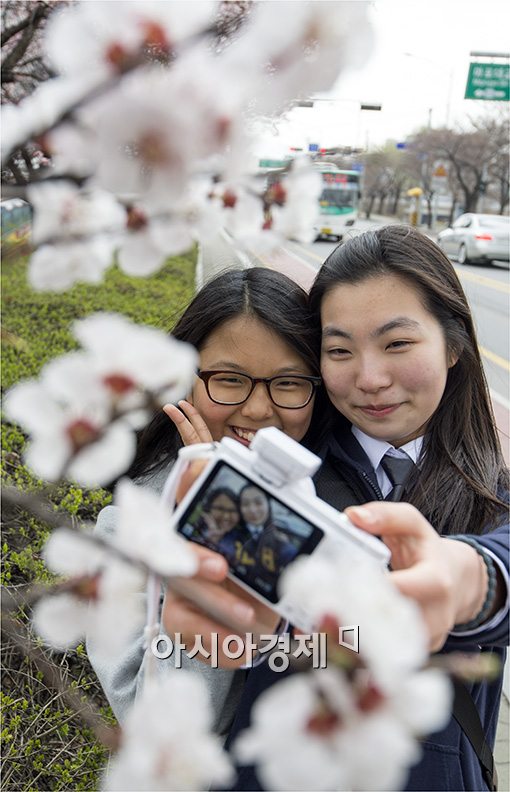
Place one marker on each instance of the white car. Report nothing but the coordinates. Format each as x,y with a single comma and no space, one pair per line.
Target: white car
477,238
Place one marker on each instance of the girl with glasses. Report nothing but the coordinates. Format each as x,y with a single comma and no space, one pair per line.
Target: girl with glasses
259,367
219,524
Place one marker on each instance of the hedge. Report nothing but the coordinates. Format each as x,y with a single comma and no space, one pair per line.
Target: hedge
44,744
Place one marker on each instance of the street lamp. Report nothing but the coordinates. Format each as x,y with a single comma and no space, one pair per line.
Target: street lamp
450,84
370,106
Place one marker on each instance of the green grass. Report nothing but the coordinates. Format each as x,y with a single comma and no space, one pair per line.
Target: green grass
44,745
37,324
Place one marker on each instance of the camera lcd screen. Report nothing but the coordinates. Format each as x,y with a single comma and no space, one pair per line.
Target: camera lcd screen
257,533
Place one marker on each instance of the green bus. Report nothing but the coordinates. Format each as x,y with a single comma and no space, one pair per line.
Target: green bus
338,201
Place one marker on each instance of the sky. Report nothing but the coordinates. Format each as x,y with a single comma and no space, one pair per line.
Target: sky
417,72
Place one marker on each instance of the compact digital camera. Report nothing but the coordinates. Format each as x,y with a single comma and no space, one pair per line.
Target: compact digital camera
257,507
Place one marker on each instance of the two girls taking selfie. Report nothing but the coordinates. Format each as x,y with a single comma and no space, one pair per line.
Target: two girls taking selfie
403,414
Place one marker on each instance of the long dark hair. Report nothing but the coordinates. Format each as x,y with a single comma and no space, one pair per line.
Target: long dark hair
272,298
463,473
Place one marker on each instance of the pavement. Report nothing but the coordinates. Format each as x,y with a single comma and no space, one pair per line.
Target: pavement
220,255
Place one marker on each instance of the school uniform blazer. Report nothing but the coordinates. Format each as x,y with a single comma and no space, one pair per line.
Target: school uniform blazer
449,762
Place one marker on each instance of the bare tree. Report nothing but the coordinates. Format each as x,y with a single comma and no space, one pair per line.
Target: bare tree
23,69
497,176
385,177
470,155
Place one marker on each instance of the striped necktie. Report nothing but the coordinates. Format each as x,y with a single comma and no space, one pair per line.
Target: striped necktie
398,470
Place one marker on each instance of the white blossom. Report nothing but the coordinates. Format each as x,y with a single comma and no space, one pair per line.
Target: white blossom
68,553
107,607
41,109
61,620
80,228
131,359
73,149
309,732
62,209
246,219
155,134
392,629
297,217
143,252
102,599
287,753
298,48
67,417
167,742
112,34
145,530
104,594
58,267
82,411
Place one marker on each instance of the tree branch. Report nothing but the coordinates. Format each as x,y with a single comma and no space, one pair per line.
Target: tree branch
15,55
33,19
184,587
83,708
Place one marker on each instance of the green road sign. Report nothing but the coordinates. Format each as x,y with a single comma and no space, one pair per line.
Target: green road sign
488,81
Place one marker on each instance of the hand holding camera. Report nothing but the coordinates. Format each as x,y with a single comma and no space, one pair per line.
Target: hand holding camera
266,515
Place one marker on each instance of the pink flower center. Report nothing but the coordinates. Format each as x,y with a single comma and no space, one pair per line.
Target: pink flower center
155,40
152,149
87,587
119,384
81,432
370,698
117,56
323,722
229,199
136,219
223,125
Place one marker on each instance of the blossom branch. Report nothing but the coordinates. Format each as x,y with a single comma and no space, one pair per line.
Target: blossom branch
43,511
83,708
90,93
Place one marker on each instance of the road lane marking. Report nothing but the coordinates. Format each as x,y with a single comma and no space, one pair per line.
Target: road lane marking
310,253
499,361
482,280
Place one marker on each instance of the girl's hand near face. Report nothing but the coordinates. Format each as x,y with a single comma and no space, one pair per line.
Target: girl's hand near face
210,603
189,423
426,567
214,532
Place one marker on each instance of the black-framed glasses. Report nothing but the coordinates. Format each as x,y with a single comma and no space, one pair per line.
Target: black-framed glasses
290,391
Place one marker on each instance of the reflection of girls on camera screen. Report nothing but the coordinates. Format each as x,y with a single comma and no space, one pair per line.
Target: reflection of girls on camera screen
220,513
270,546
219,523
